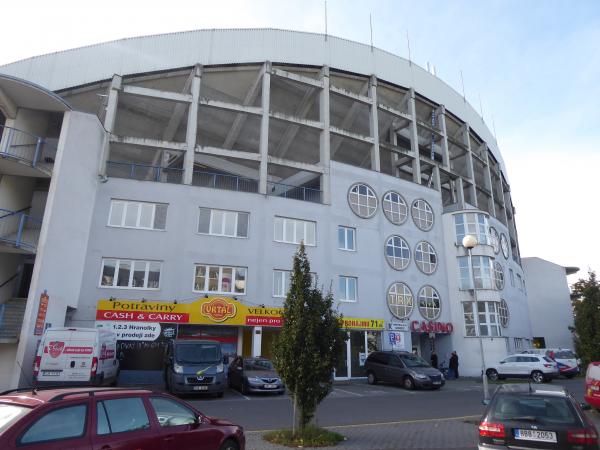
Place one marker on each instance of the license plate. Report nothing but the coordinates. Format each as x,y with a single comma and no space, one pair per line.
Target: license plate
270,386
535,435
201,388
437,382
51,373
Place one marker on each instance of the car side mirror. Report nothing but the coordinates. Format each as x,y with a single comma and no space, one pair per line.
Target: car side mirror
486,401
585,406
502,362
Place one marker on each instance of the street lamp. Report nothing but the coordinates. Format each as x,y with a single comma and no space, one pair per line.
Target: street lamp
469,242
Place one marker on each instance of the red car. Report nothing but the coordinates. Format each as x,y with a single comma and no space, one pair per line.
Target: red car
109,419
592,385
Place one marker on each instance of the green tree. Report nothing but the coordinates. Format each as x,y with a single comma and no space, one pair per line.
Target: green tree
586,308
309,344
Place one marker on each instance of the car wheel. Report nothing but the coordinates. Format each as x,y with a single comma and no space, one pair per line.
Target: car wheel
229,444
408,383
219,394
570,375
537,376
371,378
492,374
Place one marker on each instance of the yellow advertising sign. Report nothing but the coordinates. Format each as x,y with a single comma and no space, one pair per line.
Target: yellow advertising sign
214,310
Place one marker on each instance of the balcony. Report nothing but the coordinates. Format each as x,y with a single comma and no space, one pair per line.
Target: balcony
25,154
224,181
295,192
19,232
144,172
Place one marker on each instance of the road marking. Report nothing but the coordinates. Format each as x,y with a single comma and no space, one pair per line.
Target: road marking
240,394
399,422
348,392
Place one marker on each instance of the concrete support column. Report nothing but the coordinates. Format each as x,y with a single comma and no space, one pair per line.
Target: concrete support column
460,192
192,127
257,341
109,119
470,171
374,125
436,178
264,129
394,141
489,184
444,143
324,138
414,138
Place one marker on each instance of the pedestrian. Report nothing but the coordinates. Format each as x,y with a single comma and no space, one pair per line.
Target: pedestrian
434,359
453,366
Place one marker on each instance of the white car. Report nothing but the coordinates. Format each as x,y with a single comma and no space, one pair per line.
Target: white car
537,367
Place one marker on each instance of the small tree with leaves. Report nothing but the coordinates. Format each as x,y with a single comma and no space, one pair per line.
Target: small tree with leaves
586,308
309,344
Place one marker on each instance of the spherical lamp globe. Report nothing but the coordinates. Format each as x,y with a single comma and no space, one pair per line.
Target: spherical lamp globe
469,241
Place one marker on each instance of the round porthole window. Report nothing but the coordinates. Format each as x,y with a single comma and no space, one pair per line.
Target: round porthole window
495,240
429,303
362,200
394,208
422,214
498,275
504,246
397,252
503,313
425,257
400,300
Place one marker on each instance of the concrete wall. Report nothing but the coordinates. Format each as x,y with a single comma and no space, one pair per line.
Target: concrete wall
548,292
65,229
15,192
9,264
8,353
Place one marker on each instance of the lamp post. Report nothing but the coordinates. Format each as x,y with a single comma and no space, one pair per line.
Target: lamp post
469,242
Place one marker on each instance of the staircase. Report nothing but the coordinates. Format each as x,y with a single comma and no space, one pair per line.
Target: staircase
19,232
11,320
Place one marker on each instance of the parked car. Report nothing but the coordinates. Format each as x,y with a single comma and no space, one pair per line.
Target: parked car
535,417
404,368
74,356
592,385
105,418
539,368
568,363
195,366
254,375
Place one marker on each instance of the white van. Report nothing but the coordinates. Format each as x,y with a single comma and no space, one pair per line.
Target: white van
568,363
74,356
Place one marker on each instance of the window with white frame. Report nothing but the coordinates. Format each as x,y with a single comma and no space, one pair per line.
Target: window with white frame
294,231
362,200
346,238
219,222
400,300
482,272
429,303
503,313
282,280
498,276
220,279
489,323
395,208
141,215
469,316
422,214
518,343
504,246
130,273
495,240
348,288
425,257
512,277
397,252
475,224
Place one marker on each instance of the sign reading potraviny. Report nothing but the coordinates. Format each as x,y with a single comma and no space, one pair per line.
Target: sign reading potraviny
132,331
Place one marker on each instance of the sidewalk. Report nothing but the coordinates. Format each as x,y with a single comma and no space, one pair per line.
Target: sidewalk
449,434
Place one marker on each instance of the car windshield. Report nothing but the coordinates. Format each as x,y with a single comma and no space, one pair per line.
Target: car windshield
413,361
258,364
198,353
9,414
565,354
533,408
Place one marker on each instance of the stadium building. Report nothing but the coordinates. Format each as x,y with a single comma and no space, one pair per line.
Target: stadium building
160,185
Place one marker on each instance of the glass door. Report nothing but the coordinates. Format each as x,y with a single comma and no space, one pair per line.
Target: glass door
358,354
341,370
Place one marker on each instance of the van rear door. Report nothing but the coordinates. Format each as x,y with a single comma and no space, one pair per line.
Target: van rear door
67,356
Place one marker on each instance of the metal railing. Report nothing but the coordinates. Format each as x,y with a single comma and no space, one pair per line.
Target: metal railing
19,229
222,181
26,147
143,172
296,192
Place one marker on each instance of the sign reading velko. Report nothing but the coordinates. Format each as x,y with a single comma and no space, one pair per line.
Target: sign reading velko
431,327
213,310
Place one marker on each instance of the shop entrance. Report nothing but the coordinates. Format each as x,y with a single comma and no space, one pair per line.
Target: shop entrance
354,354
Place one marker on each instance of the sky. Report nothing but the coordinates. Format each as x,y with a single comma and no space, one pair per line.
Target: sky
532,67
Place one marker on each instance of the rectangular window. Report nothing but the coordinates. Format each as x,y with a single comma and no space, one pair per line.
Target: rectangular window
512,277
121,415
348,289
282,280
130,273
141,215
482,272
294,231
469,319
219,222
220,279
475,224
489,325
346,238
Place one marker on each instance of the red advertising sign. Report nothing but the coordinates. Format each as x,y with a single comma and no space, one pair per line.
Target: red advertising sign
143,316
41,316
431,327
264,321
